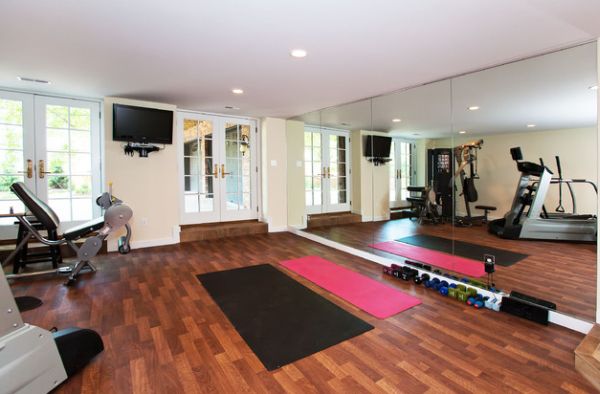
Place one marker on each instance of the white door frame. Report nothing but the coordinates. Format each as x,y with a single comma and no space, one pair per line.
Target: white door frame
219,213
41,148
398,168
326,206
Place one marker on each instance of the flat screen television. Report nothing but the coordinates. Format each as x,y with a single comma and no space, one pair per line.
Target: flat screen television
377,146
144,125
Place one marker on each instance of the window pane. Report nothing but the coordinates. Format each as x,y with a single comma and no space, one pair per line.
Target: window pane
5,182
80,141
11,161
57,140
11,137
190,202
62,208
58,163
58,186
81,163
57,116
81,186
82,209
11,112
80,118
207,202
309,199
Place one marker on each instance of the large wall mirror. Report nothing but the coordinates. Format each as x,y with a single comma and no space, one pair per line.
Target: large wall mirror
462,170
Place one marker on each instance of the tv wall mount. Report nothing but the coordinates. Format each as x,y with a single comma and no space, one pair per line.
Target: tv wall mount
142,149
379,161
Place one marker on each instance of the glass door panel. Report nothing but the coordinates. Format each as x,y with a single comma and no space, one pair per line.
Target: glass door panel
68,167
199,169
16,153
237,176
337,173
314,171
218,158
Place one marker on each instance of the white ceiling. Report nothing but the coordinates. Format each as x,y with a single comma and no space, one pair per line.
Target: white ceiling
192,53
550,91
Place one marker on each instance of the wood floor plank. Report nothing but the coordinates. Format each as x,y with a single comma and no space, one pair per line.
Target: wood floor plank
163,333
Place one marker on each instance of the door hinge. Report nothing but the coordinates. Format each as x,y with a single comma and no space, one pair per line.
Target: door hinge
256,168
257,208
100,115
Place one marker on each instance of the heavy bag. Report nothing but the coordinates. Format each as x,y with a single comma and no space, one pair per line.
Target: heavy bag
469,190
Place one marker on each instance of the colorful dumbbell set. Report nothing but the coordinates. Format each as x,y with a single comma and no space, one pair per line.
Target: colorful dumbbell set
460,292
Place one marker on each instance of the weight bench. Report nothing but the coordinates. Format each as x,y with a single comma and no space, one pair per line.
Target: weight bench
116,216
486,209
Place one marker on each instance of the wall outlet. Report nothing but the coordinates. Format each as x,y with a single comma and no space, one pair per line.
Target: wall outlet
144,221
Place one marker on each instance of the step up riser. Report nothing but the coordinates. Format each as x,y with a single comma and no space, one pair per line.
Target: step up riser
333,220
225,230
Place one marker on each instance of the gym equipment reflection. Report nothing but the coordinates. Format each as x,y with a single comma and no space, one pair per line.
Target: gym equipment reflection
459,181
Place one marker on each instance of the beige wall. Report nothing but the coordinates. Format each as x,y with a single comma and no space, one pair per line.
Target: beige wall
374,181
598,164
274,169
499,176
148,185
356,160
296,198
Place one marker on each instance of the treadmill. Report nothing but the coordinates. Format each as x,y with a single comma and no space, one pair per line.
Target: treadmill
528,219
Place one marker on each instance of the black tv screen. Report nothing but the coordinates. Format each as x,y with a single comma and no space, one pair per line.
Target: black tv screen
139,124
377,146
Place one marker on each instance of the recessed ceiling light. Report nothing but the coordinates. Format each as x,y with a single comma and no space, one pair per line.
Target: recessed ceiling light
345,124
237,91
299,53
473,108
595,87
531,125
396,120
416,134
26,79
462,132
231,107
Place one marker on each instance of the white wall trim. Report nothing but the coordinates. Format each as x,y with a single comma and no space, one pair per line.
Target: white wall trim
557,318
277,229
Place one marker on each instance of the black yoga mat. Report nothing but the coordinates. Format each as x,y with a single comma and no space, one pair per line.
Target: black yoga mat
504,258
281,320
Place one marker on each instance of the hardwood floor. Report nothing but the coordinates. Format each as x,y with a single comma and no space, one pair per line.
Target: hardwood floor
163,333
562,272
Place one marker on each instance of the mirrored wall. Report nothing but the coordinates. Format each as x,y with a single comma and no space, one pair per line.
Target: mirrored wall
498,165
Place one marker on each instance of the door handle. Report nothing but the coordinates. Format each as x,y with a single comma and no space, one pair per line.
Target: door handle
223,173
324,174
42,169
216,172
29,171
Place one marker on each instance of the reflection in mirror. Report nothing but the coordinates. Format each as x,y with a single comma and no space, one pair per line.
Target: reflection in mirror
328,159
526,170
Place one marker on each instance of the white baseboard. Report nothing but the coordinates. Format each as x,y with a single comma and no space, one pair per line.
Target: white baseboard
112,245
277,229
557,318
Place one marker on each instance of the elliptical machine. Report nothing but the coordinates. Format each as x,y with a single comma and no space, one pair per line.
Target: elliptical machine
528,217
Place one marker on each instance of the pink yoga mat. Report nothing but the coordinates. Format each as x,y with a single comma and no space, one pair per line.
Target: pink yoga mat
447,261
367,294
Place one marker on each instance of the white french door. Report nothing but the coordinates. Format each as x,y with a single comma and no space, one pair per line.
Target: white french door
219,168
53,146
402,170
326,170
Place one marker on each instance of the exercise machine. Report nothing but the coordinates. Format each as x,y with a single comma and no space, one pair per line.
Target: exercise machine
116,215
423,205
34,360
528,217
442,174
466,159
